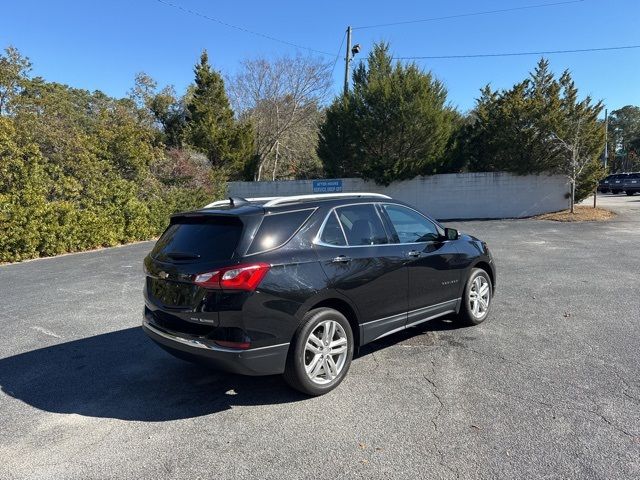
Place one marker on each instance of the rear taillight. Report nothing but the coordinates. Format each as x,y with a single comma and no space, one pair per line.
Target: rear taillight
240,277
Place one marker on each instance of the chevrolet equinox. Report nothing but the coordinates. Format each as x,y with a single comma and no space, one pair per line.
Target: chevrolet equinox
295,285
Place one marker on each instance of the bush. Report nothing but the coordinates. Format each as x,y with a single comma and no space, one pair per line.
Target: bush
47,208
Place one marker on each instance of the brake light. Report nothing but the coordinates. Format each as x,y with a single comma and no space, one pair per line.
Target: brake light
240,277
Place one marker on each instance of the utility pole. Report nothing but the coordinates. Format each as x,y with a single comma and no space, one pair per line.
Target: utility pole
606,137
347,59
606,150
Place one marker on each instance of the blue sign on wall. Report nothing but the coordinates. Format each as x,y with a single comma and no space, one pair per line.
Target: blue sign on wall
327,186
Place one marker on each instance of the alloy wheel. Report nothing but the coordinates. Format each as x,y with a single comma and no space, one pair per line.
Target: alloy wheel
325,352
479,297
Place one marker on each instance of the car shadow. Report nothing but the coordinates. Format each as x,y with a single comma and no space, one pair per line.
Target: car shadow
123,375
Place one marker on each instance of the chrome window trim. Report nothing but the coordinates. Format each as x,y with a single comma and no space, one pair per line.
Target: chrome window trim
317,241
344,234
373,204
312,209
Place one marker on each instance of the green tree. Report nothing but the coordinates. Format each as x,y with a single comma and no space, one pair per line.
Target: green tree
211,126
337,147
22,194
80,169
539,125
624,138
393,125
14,69
162,109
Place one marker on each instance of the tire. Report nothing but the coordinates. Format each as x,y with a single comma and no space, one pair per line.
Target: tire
301,357
629,193
615,192
469,315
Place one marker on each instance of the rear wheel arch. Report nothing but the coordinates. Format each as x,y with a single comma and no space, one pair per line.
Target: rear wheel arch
345,309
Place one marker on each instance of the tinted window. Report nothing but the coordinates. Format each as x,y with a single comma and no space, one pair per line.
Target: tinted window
362,225
332,233
410,226
201,239
277,228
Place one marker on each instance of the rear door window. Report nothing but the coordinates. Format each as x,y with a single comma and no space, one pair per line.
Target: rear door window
277,228
362,225
204,238
332,233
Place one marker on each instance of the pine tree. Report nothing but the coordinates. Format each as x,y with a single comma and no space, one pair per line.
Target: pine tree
394,125
517,130
211,126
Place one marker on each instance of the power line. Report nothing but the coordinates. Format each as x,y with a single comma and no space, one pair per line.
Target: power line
517,54
344,35
242,29
471,14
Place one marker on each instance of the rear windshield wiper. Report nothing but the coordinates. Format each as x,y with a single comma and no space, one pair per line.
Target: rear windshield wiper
182,255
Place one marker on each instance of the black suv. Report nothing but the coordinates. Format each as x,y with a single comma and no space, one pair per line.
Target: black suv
604,185
631,183
616,182
295,285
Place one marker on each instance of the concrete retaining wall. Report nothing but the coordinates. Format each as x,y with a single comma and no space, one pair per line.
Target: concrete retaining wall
450,196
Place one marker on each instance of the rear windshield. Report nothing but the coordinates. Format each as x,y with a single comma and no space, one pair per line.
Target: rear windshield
199,239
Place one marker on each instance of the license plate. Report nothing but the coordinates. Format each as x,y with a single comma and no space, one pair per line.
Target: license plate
174,294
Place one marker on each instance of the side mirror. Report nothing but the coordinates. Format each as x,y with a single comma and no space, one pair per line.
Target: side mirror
451,234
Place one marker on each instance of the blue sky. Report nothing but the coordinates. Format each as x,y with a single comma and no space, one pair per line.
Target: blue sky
101,45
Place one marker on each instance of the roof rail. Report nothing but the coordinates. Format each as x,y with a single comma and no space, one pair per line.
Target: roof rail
272,201
320,196
227,201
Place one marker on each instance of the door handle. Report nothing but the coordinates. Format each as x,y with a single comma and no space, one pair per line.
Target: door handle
341,259
413,253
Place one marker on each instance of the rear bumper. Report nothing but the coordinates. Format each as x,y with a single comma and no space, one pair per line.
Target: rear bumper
269,360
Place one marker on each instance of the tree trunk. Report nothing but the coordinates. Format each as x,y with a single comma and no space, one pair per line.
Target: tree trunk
573,196
275,164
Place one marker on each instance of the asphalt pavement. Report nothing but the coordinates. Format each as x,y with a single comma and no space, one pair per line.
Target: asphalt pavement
548,387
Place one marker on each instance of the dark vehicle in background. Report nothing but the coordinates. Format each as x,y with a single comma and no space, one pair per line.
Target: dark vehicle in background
616,183
604,185
295,285
631,183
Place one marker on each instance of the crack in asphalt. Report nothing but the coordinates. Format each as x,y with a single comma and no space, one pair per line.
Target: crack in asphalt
565,407
375,361
615,370
551,406
434,421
